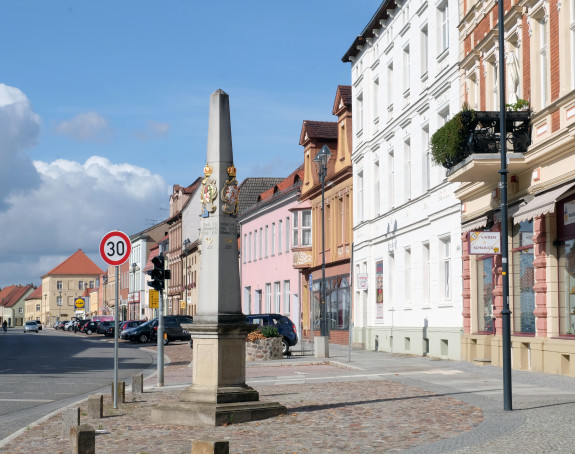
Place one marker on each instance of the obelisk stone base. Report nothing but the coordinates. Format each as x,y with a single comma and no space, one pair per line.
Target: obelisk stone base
219,394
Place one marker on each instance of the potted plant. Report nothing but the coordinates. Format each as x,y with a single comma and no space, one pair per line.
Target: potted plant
448,142
264,344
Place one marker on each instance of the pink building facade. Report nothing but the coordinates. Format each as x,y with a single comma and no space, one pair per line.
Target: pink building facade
270,283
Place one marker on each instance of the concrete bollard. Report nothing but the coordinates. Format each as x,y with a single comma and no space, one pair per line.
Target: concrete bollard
96,407
83,439
70,418
121,392
210,447
138,384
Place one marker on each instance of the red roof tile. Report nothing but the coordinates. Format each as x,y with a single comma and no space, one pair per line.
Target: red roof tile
77,264
311,130
12,294
36,294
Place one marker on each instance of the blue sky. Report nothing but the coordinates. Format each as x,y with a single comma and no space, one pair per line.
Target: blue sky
105,107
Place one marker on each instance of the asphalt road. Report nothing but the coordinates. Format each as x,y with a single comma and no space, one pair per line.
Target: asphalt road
40,373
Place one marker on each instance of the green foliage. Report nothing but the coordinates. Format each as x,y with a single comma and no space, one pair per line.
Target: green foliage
448,142
521,104
269,331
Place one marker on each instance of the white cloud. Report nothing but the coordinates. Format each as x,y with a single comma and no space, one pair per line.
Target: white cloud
19,129
85,127
154,130
75,205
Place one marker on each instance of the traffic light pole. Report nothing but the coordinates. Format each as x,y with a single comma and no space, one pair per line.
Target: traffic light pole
160,336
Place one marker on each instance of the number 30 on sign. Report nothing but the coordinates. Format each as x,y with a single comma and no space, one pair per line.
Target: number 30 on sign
115,248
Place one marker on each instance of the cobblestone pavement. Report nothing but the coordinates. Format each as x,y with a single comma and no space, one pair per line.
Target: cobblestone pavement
377,402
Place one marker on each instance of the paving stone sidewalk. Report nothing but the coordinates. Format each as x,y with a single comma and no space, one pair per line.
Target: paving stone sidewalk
376,403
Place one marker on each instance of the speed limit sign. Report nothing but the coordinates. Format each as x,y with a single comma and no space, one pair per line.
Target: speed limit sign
115,247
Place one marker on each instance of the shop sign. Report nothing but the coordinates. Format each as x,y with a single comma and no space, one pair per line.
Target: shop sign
484,243
568,213
362,281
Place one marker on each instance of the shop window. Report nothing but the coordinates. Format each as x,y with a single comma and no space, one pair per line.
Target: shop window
337,302
485,282
523,278
379,289
567,288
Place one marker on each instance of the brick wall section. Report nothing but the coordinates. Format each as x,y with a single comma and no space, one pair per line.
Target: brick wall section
526,45
555,121
482,101
554,50
540,272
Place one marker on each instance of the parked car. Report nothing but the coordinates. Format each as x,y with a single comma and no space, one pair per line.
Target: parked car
81,323
39,323
103,327
90,327
62,324
172,329
69,326
285,326
31,326
128,326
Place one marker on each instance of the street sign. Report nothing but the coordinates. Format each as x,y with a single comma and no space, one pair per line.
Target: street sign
115,248
154,298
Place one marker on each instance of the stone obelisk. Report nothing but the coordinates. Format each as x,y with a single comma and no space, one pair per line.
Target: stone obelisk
218,394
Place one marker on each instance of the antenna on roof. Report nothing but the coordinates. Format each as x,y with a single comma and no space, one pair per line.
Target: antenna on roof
151,222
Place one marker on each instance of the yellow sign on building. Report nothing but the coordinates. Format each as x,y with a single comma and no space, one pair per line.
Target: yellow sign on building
154,298
182,304
79,303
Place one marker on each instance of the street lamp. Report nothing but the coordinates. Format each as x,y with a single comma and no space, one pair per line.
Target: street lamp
322,158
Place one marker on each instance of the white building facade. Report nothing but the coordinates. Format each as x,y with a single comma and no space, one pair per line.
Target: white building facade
406,224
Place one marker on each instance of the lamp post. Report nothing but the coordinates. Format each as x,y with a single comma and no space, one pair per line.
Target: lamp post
322,158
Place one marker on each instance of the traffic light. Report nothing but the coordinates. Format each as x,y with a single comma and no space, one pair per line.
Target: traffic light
159,274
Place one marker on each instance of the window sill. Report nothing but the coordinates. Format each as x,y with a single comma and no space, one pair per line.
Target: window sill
444,53
564,336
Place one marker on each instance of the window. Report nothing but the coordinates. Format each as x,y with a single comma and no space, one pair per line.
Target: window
80,285
406,70
273,240
359,110
425,274
443,11
424,50
426,165
287,298
360,196
250,247
288,233
38,308
376,98
295,241
277,297
445,255
91,284
59,300
341,221
20,310
280,222
306,227
543,52
255,245
390,86
268,298
247,300
566,286
379,290
485,295
391,180
59,285
523,278
391,274
266,242
407,276
376,190
407,168
260,244
245,249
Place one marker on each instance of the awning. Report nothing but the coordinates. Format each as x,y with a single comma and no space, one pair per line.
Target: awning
541,204
474,224
511,211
